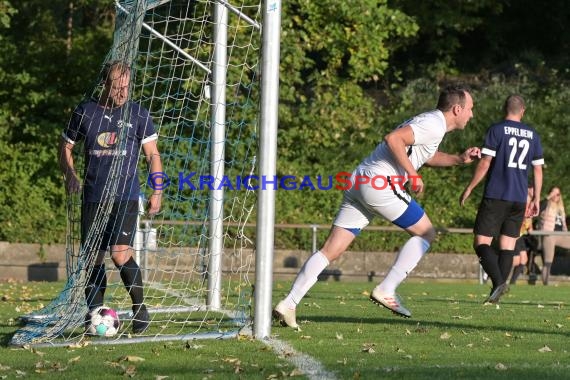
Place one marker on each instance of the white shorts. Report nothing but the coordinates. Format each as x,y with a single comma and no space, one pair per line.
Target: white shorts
362,203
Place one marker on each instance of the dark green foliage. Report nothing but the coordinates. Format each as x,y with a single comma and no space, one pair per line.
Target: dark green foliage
43,73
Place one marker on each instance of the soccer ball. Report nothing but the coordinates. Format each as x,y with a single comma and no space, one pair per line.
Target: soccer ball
103,321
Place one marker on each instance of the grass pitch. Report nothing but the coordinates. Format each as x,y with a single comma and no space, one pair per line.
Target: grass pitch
451,335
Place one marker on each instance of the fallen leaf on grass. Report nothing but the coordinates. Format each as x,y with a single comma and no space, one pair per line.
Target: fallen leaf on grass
445,335
130,371
46,366
75,359
246,337
131,358
80,344
296,372
500,367
545,349
368,347
232,360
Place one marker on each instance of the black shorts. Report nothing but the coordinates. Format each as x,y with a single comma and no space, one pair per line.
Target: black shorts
496,217
120,229
526,243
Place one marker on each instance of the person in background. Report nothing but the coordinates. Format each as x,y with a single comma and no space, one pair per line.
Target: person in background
552,218
525,243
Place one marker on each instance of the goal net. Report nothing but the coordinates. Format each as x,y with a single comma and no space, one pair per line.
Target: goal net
195,65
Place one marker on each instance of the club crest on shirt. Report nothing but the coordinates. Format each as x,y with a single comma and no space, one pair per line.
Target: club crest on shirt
107,139
122,123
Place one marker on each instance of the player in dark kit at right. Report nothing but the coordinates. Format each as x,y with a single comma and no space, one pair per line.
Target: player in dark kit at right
511,148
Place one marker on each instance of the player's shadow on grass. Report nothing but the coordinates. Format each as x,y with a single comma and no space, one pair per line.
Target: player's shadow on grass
5,338
505,301
423,324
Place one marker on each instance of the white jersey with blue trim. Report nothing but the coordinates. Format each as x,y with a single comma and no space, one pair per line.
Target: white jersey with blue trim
429,129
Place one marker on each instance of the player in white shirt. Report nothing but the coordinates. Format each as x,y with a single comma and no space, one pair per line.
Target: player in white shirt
376,188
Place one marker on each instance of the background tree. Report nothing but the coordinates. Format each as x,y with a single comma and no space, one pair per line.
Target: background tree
42,75
328,49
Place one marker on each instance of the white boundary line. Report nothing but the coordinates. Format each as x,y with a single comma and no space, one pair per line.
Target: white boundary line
310,367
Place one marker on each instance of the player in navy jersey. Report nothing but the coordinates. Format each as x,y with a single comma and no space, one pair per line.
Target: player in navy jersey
510,151
113,130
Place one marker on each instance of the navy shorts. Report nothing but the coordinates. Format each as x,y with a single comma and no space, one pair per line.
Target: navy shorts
118,230
497,217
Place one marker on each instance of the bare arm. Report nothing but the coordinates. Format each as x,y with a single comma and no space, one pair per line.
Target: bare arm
480,173
441,159
66,165
154,163
397,141
534,208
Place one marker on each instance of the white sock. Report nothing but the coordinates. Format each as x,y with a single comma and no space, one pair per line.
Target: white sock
306,278
408,258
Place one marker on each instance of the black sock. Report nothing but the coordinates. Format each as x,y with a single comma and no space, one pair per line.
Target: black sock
132,278
96,286
489,260
506,262
517,271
